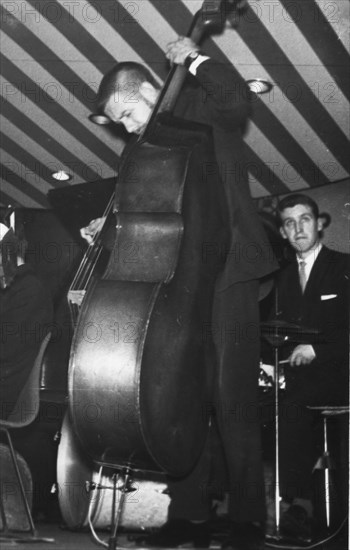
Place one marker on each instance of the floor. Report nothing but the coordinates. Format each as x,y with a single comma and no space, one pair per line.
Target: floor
54,537
146,507
54,534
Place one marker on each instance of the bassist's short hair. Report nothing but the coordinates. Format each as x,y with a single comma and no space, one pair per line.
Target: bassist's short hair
125,74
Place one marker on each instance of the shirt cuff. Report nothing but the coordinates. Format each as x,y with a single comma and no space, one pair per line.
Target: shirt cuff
198,61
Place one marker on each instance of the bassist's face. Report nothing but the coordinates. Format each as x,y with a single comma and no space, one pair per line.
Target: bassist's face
131,105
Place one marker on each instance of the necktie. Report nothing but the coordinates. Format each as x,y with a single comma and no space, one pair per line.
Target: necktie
302,275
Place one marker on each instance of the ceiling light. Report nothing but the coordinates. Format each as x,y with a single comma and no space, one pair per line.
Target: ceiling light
99,119
259,86
61,175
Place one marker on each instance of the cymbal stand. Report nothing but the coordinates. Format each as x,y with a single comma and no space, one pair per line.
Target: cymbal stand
276,340
277,475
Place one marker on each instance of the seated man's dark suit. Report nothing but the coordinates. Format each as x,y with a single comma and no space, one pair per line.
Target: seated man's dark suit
26,314
323,306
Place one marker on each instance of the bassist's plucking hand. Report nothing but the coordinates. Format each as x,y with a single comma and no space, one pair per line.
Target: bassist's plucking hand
90,231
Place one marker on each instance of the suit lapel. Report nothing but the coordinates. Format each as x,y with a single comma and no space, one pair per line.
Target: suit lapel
318,272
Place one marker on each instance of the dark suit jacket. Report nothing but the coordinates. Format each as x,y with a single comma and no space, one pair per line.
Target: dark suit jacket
222,101
26,312
324,306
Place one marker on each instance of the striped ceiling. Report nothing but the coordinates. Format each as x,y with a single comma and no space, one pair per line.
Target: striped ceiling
55,52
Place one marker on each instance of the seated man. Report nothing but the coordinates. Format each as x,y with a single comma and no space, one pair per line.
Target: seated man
312,292
26,311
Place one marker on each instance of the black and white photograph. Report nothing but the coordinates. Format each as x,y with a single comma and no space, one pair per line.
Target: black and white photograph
174,274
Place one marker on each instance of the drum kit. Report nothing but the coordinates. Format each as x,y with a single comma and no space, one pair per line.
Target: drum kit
279,333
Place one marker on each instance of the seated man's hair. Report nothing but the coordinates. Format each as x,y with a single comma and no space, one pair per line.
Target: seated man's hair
292,200
126,76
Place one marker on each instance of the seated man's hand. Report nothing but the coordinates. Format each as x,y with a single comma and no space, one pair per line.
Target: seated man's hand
302,355
88,232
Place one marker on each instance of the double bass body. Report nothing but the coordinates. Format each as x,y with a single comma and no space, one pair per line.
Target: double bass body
139,380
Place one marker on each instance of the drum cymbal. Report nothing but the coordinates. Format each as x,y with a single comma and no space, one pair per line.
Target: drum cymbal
279,332
285,327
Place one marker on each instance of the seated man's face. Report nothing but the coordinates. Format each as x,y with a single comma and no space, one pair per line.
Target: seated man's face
301,228
131,106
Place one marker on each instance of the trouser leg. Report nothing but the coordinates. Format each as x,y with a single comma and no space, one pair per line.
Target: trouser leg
296,450
237,341
190,495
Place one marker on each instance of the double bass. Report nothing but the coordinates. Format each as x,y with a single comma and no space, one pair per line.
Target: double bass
139,374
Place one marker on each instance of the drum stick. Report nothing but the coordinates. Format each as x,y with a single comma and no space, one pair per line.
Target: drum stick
283,361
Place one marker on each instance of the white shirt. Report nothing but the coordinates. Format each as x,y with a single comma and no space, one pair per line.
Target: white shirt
195,64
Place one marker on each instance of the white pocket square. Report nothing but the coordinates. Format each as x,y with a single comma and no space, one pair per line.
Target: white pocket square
328,296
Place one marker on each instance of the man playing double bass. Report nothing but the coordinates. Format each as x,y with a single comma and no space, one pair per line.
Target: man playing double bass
219,99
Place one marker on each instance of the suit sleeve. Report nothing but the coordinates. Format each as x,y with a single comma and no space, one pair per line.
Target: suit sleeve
224,96
334,344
